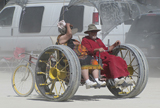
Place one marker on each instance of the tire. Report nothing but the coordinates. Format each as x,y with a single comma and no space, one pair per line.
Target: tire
57,69
37,90
23,80
146,68
135,68
78,68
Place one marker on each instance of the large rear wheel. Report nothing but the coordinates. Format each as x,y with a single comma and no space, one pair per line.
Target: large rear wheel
137,69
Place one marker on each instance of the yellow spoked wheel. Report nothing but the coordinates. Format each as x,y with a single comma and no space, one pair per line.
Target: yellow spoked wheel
137,69
23,80
57,73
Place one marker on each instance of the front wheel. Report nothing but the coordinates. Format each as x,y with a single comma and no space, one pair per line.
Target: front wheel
57,73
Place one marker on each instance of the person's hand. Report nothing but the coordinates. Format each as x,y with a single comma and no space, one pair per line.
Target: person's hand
114,45
71,25
101,50
76,42
68,24
117,43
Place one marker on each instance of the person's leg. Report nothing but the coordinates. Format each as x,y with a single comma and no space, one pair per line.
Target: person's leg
85,75
116,69
95,73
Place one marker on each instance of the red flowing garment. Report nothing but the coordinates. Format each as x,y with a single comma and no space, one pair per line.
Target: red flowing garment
114,66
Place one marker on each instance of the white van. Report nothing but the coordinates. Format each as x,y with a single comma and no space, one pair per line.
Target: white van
33,26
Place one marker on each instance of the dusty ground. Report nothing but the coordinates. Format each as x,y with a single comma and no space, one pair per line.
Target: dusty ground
93,98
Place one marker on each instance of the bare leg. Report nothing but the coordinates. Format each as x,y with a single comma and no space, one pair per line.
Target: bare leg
85,74
95,73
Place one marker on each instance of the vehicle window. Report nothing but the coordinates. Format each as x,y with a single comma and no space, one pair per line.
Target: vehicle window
6,16
73,16
146,24
31,19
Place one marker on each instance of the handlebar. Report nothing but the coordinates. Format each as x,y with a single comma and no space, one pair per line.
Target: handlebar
36,55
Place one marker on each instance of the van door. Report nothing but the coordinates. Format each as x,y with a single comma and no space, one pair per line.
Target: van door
6,18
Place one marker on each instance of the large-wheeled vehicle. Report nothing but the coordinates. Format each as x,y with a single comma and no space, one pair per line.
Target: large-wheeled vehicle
58,70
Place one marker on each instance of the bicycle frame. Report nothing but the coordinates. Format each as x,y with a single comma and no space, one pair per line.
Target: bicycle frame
31,57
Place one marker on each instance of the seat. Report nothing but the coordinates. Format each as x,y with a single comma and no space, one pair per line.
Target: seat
53,39
18,51
80,37
7,63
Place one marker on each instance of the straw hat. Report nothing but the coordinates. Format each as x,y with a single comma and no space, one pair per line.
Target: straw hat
91,27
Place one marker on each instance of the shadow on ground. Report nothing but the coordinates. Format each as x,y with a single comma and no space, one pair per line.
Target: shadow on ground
77,98
91,98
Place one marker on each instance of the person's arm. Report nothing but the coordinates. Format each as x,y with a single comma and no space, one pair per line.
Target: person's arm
88,46
91,50
99,49
64,38
76,42
114,45
102,45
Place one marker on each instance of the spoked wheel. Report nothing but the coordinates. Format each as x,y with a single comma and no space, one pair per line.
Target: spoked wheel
23,80
137,67
146,68
58,73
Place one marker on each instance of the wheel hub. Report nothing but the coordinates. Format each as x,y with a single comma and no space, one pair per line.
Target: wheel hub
130,70
55,73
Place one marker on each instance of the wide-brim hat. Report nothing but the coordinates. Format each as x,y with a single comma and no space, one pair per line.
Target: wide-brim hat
64,30
91,27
